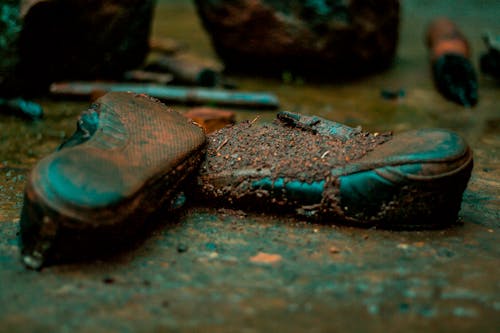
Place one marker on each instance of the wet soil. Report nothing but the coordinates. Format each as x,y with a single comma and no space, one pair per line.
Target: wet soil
322,278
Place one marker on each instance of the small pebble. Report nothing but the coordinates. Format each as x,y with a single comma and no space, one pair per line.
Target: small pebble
333,249
181,248
108,280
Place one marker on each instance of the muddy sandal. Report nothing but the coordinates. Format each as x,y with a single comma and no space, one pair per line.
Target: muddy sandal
333,173
127,158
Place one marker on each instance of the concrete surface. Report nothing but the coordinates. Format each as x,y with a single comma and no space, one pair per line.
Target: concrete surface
229,271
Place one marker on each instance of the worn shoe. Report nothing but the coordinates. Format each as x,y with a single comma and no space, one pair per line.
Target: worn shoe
127,158
337,174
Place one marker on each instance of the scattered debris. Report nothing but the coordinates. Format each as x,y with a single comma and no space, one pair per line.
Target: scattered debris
211,119
108,280
181,248
211,246
403,246
21,107
334,250
266,258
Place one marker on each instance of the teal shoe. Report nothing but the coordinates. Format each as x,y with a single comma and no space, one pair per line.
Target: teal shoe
333,173
129,157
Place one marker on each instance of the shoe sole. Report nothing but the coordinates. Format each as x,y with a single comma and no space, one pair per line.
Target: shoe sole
91,197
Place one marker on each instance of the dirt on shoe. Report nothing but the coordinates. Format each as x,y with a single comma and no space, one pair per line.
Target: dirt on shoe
284,150
239,155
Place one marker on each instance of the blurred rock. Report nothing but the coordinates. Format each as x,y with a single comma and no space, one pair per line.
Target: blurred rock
74,39
21,108
322,38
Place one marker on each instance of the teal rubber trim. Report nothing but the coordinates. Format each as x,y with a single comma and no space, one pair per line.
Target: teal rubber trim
306,193
366,191
83,181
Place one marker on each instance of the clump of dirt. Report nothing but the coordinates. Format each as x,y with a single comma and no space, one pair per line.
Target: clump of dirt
285,151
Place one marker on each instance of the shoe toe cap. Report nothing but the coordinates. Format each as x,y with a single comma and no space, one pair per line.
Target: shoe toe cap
414,174
421,146
81,180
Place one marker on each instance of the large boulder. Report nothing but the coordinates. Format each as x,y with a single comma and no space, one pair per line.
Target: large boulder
313,37
74,39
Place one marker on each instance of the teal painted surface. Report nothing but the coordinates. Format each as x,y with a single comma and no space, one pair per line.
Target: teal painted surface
306,193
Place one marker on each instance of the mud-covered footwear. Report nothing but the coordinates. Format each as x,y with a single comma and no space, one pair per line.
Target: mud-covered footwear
127,158
338,174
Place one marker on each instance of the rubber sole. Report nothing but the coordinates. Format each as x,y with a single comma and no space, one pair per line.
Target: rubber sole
88,198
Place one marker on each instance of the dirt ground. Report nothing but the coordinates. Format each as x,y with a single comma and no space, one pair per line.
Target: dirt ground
221,270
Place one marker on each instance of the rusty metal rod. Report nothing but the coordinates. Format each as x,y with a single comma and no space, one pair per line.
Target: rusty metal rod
172,94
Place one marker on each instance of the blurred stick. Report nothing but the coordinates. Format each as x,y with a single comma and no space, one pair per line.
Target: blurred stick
145,76
165,45
172,94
